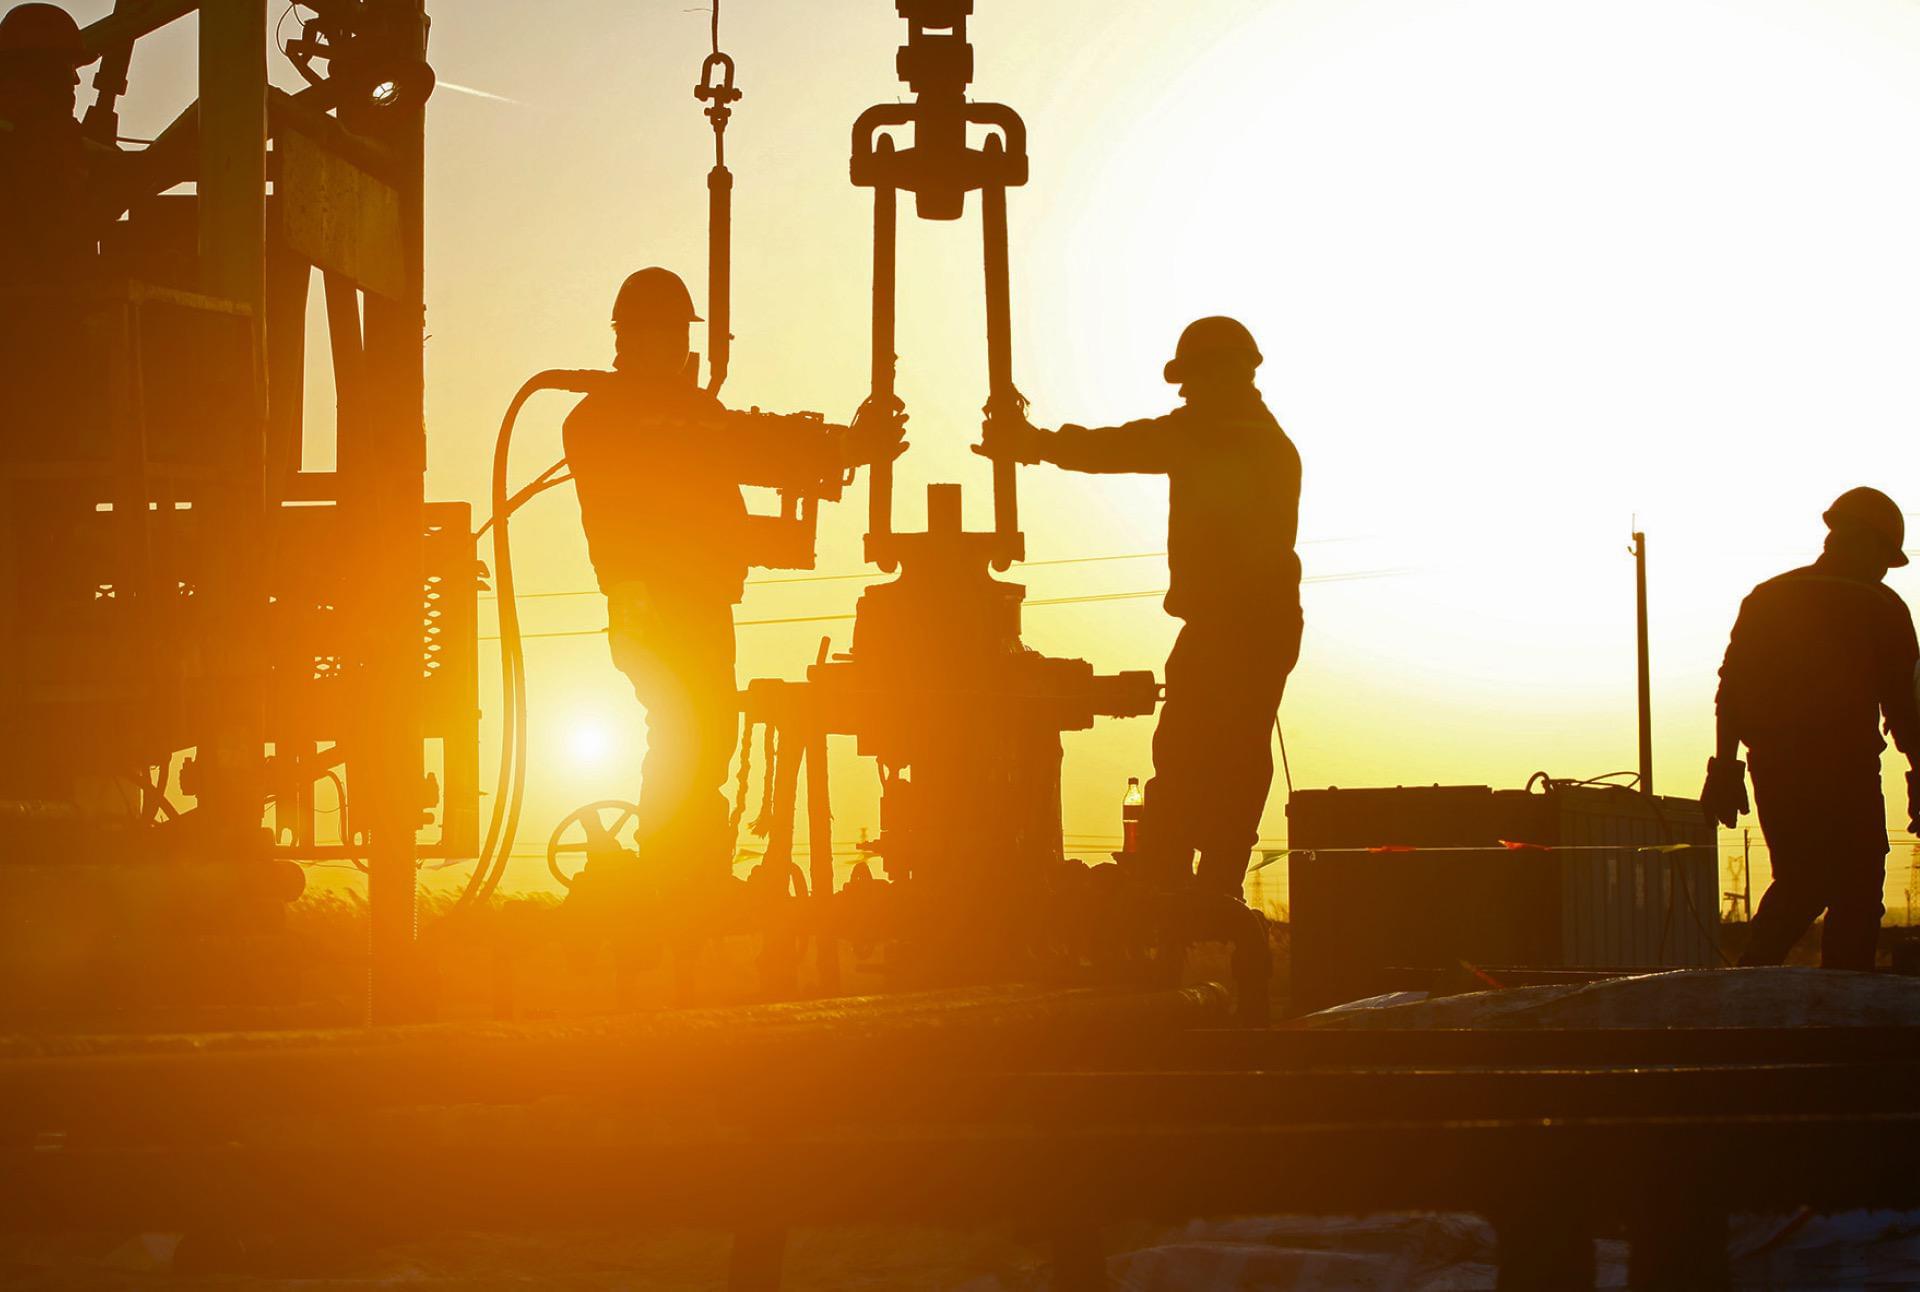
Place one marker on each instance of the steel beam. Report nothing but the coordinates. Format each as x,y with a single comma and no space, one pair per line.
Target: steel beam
548,1171
132,19
232,214
135,1082
383,490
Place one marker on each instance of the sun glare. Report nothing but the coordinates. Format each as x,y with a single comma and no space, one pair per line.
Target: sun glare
589,743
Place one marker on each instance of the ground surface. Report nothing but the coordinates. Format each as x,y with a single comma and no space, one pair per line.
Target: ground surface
506,963
1395,1253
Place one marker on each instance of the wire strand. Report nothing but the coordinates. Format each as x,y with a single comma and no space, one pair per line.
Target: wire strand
1085,599
875,575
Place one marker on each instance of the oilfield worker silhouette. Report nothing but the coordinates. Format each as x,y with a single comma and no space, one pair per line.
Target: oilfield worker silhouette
54,206
47,209
657,464
1233,517
1818,656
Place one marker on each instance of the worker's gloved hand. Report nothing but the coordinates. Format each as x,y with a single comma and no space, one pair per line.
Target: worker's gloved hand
877,433
1913,800
1011,440
1725,794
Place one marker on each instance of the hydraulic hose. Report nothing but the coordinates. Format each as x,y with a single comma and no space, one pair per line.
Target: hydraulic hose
511,780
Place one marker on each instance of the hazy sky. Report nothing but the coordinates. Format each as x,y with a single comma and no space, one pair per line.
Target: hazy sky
1523,271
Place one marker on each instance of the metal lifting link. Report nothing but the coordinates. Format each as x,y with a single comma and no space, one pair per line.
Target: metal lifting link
940,169
717,91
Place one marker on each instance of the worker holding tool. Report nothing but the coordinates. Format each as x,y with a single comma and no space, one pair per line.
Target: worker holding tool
1818,656
1233,516
658,465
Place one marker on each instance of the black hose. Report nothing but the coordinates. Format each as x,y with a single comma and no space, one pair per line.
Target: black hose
511,782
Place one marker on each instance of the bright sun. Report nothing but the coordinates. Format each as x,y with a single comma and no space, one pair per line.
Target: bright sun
589,743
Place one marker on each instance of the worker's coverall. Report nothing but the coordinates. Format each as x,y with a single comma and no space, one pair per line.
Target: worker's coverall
48,206
1815,659
666,530
47,232
1233,515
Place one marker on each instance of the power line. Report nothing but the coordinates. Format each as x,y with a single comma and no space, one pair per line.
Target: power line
1086,599
872,575
866,575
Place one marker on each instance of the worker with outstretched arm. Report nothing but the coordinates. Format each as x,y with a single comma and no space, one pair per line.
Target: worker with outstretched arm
1818,657
658,464
1233,517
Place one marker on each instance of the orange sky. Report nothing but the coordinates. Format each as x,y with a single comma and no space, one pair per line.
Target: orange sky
1522,273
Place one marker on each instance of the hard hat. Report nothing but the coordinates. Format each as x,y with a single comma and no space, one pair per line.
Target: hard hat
654,295
1213,335
1871,512
45,30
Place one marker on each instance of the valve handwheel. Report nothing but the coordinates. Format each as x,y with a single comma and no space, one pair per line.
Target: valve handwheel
595,830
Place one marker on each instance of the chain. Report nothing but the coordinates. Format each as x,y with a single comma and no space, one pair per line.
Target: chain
716,90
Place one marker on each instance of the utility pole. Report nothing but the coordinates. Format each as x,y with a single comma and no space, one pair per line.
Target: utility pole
1746,871
1646,677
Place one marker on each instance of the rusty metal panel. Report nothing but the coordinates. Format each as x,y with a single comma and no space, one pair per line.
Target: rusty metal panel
339,216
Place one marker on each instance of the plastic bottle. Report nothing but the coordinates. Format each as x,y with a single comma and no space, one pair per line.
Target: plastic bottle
1132,808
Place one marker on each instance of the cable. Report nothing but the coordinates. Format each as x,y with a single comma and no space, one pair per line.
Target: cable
873,575
511,780
1285,766
557,474
1712,935
865,575
1085,599
279,28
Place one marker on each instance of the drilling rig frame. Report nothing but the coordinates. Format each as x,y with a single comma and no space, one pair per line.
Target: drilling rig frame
185,606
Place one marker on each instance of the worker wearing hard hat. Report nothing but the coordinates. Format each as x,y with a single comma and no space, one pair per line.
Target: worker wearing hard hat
667,531
47,223
1233,517
1818,657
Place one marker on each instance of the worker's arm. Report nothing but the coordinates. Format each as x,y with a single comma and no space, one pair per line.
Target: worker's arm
1900,681
1730,699
1724,796
1144,447
1900,699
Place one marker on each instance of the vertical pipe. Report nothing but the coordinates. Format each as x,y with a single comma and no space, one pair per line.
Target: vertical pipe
232,224
383,495
880,474
1000,392
232,201
786,787
820,861
1746,874
719,276
1646,682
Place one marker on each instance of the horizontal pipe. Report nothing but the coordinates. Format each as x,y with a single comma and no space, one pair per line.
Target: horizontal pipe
136,1084
466,1175
130,21
1294,1047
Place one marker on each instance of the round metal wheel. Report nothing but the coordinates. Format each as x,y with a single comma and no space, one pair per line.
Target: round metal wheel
602,828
